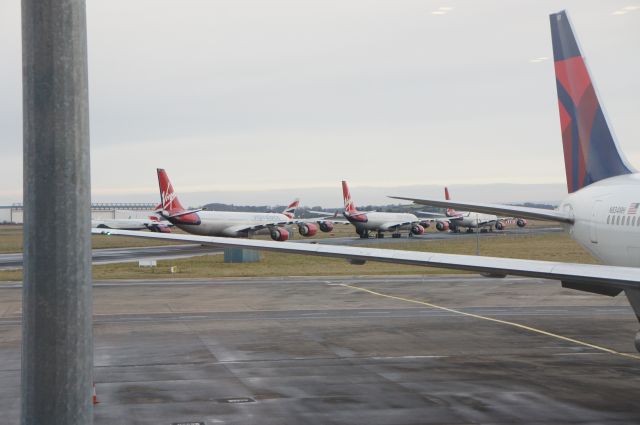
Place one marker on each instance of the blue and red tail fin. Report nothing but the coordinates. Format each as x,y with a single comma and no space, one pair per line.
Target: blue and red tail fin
590,149
290,211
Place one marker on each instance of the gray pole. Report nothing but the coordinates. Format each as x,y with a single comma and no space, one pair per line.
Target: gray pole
57,347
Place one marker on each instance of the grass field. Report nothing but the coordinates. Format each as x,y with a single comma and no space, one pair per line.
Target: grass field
11,240
551,246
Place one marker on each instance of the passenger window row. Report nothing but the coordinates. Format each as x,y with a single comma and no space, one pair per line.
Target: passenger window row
620,220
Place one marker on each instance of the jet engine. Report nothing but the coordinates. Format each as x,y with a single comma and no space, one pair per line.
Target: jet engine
307,229
499,225
425,224
326,226
417,229
442,226
279,234
521,222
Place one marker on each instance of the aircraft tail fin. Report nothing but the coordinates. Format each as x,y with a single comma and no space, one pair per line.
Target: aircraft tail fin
450,211
349,206
590,150
172,209
168,197
290,211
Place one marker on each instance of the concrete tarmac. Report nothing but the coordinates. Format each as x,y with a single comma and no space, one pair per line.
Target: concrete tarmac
454,349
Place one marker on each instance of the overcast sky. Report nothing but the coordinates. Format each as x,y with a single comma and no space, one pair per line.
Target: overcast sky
256,95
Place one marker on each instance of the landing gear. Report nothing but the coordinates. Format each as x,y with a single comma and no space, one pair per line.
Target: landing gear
483,230
396,235
380,235
364,233
469,230
637,341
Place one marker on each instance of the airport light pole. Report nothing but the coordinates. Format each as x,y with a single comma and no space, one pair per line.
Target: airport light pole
477,235
57,344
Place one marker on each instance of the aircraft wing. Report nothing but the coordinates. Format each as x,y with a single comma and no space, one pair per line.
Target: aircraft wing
244,228
606,280
320,220
432,214
322,213
394,226
511,210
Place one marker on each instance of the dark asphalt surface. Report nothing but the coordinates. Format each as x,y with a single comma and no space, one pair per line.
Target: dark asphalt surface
323,351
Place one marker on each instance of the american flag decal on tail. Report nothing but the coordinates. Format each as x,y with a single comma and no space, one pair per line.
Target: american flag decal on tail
633,208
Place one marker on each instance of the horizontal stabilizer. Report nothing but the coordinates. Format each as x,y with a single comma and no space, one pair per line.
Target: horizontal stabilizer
499,209
180,213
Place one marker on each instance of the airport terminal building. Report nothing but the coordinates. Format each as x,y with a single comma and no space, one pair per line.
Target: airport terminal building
13,214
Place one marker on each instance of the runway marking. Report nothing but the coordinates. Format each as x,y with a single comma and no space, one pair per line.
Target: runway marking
504,322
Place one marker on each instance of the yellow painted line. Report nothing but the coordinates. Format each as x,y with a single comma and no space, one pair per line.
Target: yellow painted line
504,322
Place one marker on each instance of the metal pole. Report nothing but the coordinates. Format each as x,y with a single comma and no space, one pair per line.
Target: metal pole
57,347
477,235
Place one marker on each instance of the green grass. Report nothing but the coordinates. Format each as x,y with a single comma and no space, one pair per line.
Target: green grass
552,246
11,240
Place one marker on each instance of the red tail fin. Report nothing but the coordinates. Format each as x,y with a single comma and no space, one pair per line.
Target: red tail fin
349,206
450,211
168,198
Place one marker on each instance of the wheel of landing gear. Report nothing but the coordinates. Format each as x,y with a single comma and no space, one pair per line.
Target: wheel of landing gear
380,235
637,341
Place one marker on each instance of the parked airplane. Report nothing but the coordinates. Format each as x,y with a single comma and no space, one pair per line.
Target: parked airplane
601,211
135,220
455,220
232,223
153,223
379,222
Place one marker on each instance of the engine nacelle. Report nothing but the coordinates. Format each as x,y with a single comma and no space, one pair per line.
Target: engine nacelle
417,229
499,225
279,234
521,222
425,224
442,226
307,229
326,226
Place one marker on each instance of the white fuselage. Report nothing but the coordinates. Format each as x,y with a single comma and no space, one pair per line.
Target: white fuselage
470,219
120,223
385,221
605,222
231,223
